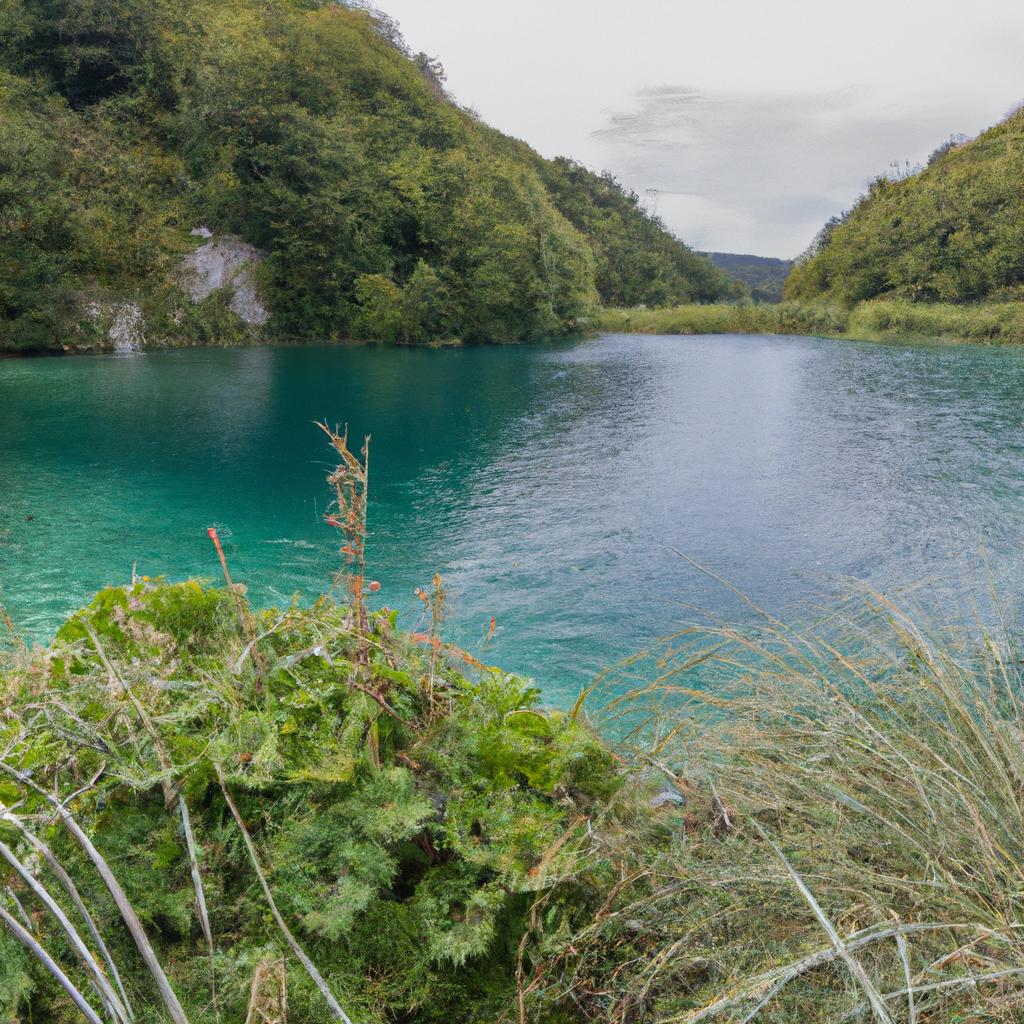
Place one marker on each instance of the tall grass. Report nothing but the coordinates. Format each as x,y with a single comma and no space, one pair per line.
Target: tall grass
998,322
877,320
782,318
849,841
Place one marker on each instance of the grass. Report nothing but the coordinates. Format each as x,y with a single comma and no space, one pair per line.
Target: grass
878,320
852,838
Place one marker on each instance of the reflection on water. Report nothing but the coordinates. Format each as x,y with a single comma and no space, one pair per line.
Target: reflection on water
548,484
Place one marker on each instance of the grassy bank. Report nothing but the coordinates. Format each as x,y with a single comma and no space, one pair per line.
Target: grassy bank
298,807
869,321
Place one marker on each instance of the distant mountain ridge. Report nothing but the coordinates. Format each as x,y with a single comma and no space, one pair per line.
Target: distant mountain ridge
764,276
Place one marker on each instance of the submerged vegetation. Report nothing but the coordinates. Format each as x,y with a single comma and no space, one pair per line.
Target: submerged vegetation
306,128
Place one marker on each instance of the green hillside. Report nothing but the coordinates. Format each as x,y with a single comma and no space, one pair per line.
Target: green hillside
306,129
765,276
954,232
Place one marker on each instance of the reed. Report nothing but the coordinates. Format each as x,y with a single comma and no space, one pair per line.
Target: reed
849,837
877,320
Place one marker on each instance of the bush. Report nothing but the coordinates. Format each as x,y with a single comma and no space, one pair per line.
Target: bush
407,815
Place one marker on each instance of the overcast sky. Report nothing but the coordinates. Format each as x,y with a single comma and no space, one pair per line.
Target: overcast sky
755,120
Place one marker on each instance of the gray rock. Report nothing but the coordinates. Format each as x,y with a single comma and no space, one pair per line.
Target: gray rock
667,796
126,332
225,262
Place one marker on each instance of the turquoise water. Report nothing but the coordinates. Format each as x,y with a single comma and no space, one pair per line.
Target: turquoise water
548,484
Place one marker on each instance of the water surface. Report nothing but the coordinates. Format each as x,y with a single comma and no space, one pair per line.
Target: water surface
548,484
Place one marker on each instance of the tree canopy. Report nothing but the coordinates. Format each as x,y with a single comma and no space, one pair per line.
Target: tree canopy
308,129
954,232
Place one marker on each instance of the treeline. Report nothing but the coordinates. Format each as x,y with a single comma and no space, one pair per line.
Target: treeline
384,210
953,232
765,276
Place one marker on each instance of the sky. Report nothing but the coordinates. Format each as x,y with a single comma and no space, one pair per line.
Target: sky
744,124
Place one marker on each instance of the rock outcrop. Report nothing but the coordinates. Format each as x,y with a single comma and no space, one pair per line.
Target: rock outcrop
225,262
123,322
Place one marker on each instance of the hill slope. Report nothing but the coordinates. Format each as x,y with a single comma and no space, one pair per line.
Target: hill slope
953,232
308,131
765,276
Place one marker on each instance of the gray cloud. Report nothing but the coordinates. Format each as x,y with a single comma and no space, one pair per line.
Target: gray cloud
761,170
783,113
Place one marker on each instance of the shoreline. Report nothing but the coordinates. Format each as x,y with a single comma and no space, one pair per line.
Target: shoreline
876,321
897,321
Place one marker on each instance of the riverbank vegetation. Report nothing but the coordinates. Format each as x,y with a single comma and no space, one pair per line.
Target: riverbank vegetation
383,210
878,320
212,813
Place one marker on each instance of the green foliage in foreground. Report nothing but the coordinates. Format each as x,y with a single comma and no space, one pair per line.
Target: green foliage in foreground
844,827
305,127
868,321
406,816
954,232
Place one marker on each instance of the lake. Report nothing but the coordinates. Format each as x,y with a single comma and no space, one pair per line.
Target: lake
549,484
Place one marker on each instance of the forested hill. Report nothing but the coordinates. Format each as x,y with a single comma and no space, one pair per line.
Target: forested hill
765,276
378,207
954,232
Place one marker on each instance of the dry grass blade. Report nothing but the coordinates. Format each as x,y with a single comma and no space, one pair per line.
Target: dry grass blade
901,946
72,890
124,906
854,965
99,980
197,885
775,980
26,939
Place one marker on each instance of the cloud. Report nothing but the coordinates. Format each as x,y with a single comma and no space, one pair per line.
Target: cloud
763,170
